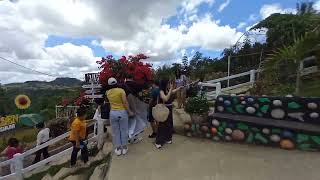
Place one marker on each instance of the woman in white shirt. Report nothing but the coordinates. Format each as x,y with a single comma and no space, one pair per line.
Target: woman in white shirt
42,137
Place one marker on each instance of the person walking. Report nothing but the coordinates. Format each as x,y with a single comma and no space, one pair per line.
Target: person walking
119,116
153,101
77,137
42,137
165,129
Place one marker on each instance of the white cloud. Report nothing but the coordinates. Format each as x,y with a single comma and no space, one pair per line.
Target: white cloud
317,5
269,9
224,5
135,27
241,25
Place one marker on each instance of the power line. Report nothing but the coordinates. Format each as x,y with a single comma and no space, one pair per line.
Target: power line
2,58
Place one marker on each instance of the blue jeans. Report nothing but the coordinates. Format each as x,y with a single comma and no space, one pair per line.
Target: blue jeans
119,125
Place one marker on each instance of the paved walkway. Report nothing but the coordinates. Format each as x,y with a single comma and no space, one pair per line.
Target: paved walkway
200,159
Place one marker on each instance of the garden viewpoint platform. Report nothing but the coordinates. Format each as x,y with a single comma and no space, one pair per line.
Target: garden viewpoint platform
201,159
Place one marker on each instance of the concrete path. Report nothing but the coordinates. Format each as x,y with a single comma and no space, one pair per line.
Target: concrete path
200,159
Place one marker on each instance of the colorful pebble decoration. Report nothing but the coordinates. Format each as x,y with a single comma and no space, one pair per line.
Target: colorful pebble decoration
285,109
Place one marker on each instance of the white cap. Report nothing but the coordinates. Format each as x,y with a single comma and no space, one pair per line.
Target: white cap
112,81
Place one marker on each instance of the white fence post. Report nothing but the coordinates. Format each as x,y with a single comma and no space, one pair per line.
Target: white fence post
252,76
17,166
218,89
100,132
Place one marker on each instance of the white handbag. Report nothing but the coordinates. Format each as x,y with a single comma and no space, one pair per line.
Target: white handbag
160,112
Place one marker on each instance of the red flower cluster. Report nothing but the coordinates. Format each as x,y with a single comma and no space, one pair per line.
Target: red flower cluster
125,68
80,100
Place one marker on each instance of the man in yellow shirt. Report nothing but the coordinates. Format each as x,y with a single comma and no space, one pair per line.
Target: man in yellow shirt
77,137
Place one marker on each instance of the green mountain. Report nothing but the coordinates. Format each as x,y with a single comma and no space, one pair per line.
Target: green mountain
44,95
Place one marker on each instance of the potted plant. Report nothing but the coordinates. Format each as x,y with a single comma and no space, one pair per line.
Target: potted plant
198,108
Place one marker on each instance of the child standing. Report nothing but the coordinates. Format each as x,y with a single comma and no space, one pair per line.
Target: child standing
77,137
13,148
42,137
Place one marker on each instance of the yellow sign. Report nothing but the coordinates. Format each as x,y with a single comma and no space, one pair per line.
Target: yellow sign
8,122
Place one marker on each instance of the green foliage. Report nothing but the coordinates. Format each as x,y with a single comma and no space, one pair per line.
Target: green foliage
197,105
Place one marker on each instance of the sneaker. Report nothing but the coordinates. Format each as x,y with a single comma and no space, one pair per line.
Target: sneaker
169,142
124,150
153,135
118,151
158,146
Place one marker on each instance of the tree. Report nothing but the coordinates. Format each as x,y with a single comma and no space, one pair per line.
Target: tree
185,62
305,8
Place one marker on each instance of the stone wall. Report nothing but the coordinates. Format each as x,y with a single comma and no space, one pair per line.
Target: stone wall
286,122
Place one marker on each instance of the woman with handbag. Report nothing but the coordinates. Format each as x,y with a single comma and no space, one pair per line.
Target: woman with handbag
165,128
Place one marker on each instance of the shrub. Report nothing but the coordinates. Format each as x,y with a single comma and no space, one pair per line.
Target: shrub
197,105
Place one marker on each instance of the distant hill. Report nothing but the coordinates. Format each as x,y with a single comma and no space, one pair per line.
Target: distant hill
55,84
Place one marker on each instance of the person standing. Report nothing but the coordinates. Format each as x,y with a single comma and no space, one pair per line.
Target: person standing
119,116
77,137
153,101
165,129
181,81
42,137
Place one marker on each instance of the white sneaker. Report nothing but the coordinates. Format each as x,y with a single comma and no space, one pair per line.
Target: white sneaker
124,150
169,142
158,146
117,151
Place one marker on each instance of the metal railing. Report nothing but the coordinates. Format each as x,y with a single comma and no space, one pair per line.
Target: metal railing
216,83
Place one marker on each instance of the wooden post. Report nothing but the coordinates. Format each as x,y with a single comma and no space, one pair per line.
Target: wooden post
252,76
218,89
100,132
229,59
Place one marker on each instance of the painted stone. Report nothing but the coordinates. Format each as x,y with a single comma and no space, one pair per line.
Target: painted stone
275,138
227,103
298,115
235,100
289,95
278,113
227,138
220,129
250,110
312,105
276,131
256,105
286,144
224,124
238,135
250,100
208,135
302,138
314,115
228,130
264,108
242,126
214,131
259,114
264,100
193,128
231,125
230,110
220,99
254,129
316,139
233,95
250,138
215,122
239,108
277,103
259,137
243,102
264,95
266,131
287,134
204,129
220,108
216,138
242,98
294,105
187,127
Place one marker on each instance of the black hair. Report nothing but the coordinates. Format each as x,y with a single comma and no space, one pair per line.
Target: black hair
40,125
156,82
13,142
81,111
99,101
164,84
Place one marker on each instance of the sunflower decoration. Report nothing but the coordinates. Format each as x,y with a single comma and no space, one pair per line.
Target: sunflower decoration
22,101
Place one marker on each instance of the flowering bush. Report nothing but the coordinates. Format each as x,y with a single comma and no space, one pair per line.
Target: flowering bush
125,68
81,100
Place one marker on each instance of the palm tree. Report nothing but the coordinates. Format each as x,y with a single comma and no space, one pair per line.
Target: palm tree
305,8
